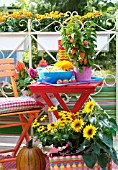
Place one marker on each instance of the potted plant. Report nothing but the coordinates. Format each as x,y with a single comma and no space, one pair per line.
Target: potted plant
79,40
24,77
85,137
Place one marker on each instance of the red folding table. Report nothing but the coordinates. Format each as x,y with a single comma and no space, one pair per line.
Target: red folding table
84,90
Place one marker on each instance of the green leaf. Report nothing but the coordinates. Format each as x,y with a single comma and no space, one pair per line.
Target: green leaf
90,159
104,8
83,146
80,69
96,148
113,124
65,136
93,120
103,160
106,138
113,155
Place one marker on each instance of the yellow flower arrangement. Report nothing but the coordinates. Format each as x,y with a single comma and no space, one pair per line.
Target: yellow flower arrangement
64,65
88,132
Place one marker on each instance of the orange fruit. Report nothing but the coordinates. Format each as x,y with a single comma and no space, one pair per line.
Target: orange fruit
59,81
73,80
72,40
82,54
73,51
65,81
85,61
81,60
85,43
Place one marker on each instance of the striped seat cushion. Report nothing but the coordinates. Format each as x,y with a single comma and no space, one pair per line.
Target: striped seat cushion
13,104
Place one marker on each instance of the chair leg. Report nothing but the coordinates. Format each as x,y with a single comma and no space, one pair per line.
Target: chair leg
21,117
23,134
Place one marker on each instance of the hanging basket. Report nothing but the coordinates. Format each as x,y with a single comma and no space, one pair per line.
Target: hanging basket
85,75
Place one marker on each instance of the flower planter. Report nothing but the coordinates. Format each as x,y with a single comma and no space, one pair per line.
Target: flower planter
48,40
13,41
74,162
102,39
85,75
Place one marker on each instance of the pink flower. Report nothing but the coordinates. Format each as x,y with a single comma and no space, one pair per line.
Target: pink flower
32,73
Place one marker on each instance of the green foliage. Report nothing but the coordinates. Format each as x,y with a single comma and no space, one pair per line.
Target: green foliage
79,38
91,135
98,5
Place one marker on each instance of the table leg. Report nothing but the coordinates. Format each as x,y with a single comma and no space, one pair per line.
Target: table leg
49,103
80,102
62,103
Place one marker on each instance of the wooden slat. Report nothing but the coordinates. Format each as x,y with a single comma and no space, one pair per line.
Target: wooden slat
7,74
7,67
11,125
7,61
7,159
34,111
3,151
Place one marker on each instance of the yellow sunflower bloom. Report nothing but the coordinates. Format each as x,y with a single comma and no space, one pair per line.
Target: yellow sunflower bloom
84,111
77,125
89,106
52,126
62,123
75,114
89,131
40,128
61,119
43,118
68,119
52,109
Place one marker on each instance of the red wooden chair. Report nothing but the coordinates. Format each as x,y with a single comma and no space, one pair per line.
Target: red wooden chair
24,107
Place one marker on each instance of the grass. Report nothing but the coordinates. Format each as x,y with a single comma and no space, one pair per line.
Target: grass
109,75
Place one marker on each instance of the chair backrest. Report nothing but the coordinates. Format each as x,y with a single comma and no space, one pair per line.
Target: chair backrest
7,69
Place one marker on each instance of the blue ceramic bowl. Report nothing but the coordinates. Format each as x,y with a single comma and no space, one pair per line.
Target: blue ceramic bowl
52,77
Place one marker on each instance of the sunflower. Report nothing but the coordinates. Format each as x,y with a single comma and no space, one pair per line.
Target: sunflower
63,113
75,114
77,124
89,106
68,119
89,131
61,121
43,118
35,123
52,109
40,128
52,126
